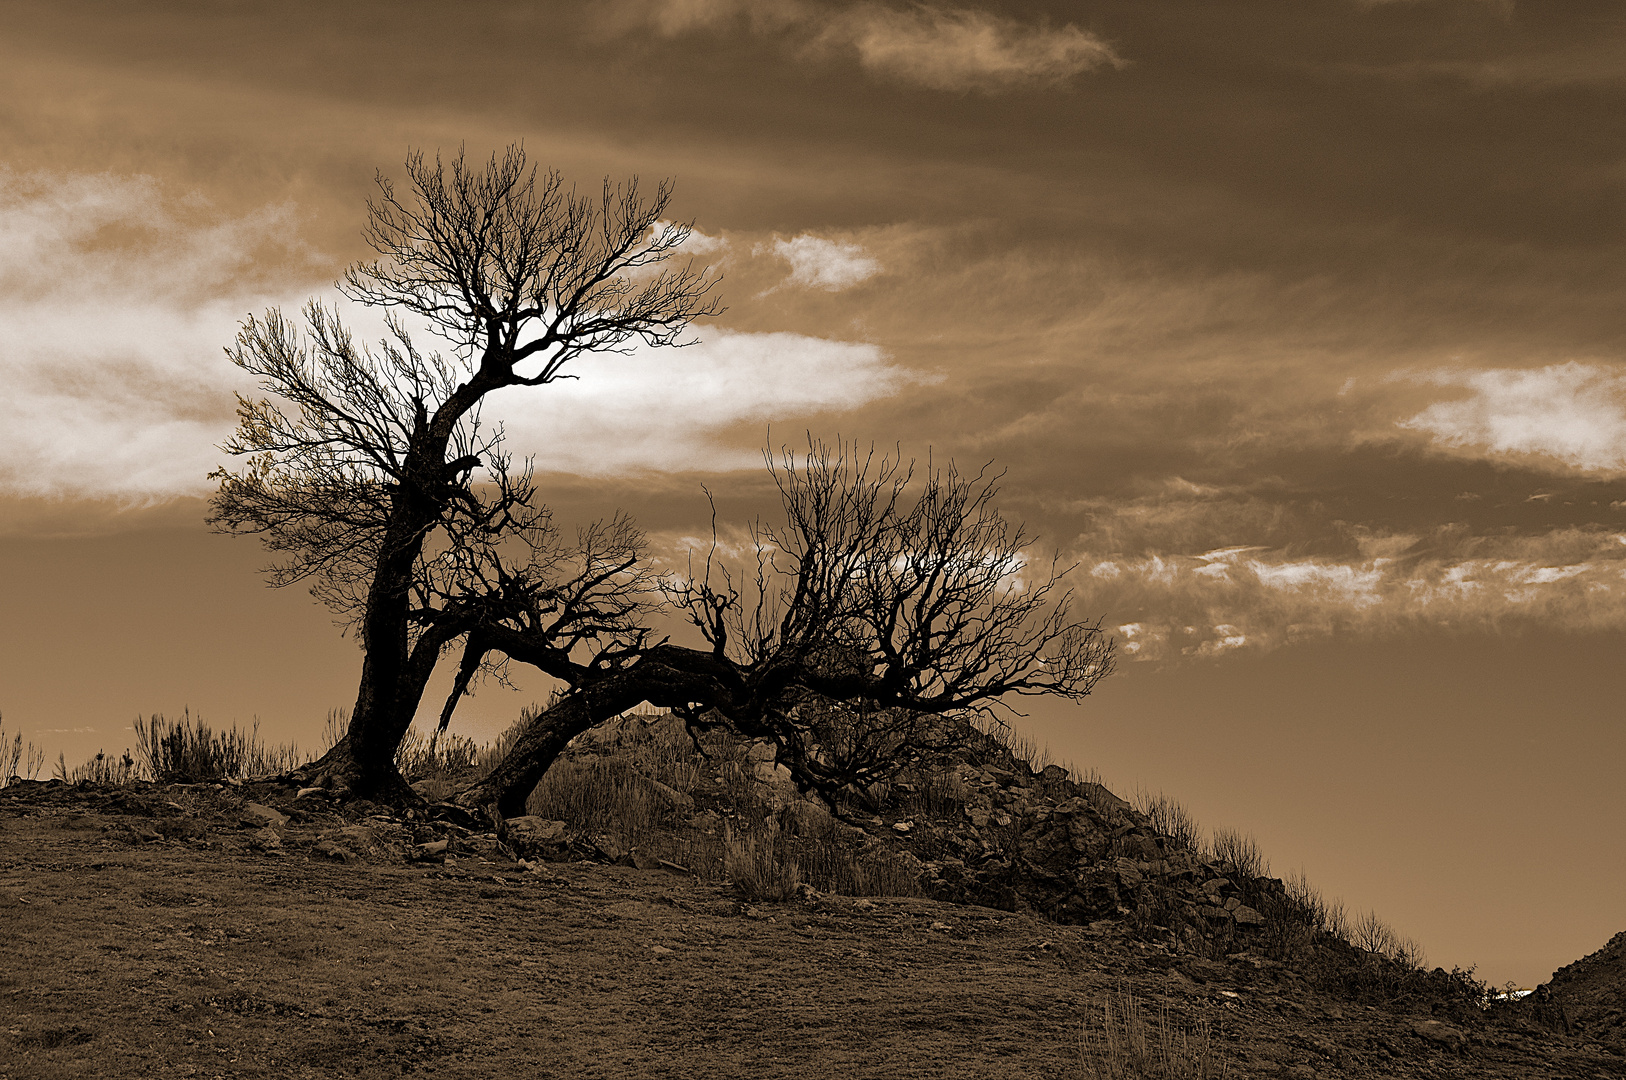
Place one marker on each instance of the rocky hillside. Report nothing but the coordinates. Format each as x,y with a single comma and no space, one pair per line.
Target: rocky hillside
1590,994
974,859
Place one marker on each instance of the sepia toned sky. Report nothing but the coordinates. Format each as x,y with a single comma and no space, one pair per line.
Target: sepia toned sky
1297,326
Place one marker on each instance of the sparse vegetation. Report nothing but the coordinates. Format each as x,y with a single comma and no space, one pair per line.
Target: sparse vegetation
1125,1045
1169,818
188,751
101,769
648,792
16,761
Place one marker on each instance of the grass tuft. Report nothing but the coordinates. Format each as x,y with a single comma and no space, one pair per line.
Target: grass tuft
1127,1045
16,763
188,751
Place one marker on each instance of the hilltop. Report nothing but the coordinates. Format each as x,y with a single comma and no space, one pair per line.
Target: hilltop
667,911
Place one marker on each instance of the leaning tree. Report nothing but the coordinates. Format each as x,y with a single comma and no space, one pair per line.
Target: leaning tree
368,470
874,610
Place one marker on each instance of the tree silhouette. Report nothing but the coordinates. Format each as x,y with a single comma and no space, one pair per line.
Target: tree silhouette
370,473
858,623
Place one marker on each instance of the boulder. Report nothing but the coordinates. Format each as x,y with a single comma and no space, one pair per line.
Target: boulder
255,816
360,842
434,851
531,835
1247,916
1439,1032
336,852
671,799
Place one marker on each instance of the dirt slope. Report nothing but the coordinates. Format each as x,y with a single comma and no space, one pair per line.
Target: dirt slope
161,934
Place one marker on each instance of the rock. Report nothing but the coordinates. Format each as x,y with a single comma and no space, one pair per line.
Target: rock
432,852
336,853
660,950
1103,799
1216,886
1247,916
674,800
1588,996
902,826
537,835
761,751
1070,807
255,816
1546,1008
1053,774
769,772
1437,1031
360,841
266,839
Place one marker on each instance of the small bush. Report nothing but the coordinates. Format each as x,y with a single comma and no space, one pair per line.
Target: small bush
1240,853
1169,818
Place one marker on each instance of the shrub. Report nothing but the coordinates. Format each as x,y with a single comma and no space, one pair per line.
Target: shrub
1169,818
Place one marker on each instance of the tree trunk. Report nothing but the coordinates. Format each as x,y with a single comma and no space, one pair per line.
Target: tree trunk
667,675
362,764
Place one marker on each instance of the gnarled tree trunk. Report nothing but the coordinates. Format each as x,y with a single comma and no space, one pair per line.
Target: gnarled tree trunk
667,675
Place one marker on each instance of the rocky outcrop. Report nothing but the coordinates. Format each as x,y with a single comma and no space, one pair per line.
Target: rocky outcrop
1588,996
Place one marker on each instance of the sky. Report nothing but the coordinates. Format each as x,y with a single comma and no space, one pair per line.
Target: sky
1295,326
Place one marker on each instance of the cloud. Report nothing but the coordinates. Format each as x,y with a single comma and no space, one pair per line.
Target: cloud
117,297
663,410
831,265
115,301
964,49
942,48
1216,602
1573,413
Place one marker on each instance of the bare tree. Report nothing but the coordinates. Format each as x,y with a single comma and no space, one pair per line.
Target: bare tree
371,475
857,624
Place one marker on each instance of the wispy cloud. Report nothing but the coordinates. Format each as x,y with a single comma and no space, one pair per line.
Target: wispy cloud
650,411
1573,413
1215,602
832,265
939,47
115,300
964,49
117,297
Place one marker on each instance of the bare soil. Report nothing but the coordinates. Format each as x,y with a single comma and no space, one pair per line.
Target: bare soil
154,935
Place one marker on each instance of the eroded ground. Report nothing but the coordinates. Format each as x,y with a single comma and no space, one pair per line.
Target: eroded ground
168,939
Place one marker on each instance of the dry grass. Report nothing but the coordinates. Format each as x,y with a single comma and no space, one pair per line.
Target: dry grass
1127,1045
1169,818
17,762
188,751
